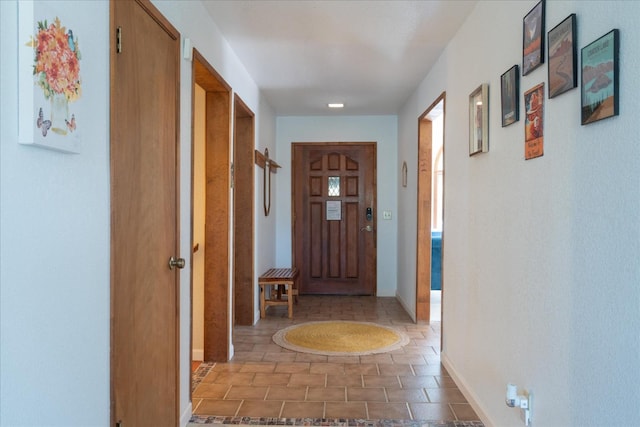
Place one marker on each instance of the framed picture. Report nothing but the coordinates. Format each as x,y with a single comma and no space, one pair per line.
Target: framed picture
509,90
563,57
49,76
532,39
600,82
404,174
534,125
479,120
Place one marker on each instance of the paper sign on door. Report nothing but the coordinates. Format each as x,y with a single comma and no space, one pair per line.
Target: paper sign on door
334,210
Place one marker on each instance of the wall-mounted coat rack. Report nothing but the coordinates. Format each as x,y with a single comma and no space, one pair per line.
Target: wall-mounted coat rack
268,166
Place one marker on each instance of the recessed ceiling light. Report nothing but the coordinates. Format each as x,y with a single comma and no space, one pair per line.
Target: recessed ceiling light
336,105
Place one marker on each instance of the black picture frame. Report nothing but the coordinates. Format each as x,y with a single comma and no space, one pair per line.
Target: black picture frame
533,38
562,65
599,88
509,94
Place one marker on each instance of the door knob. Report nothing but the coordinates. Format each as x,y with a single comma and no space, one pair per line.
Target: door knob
367,228
176,262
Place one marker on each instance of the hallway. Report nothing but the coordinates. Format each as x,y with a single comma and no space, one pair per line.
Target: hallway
264,382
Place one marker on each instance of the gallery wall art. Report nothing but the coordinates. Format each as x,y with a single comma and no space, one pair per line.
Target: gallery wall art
533,38
599,77
600,82
534,122
509,96
50,77
563,68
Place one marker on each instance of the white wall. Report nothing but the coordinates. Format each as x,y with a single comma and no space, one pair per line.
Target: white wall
541,272
381,129
54,244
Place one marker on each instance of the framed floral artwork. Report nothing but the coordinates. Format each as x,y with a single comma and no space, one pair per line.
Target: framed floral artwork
49,78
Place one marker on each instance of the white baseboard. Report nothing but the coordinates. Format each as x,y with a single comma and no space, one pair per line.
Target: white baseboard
411,311
186,415
471,397
197,354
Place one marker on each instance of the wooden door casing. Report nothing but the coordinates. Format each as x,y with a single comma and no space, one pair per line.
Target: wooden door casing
243,214
217,124
144,216
423,244
425,205
335,256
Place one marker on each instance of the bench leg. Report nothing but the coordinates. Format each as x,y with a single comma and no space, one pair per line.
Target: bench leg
262,303
290,299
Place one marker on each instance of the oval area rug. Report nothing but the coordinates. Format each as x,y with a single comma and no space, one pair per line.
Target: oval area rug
340,338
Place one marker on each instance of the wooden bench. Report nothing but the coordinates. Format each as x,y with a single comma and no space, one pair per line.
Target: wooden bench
283,279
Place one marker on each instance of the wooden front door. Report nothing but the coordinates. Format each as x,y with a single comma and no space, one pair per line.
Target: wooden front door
334,215
144,216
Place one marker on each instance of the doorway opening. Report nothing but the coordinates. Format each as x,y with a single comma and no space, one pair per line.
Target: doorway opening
210,207
430,216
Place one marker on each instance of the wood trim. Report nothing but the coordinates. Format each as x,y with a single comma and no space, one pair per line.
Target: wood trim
112,290
241,109
424,204
217,244
157,16
206,76
423,247
244,213
216,304
261,161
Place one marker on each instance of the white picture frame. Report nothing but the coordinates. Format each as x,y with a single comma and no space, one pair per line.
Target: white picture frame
46,118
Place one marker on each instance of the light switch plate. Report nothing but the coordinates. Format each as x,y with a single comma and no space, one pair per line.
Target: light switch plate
386,215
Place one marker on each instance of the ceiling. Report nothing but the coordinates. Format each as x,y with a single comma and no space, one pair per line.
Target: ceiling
369,55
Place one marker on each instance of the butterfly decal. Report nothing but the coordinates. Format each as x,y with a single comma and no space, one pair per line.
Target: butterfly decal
71,124
44,125
71,40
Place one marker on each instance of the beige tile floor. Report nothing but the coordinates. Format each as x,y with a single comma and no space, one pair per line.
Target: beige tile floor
265,380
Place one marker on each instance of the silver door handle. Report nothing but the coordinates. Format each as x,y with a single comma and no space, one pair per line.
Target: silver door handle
367,228
176,262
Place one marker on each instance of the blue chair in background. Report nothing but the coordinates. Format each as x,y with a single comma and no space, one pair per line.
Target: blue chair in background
436,260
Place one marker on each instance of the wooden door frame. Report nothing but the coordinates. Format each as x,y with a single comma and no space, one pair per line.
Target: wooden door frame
294,237
424,208
244,300
217,327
